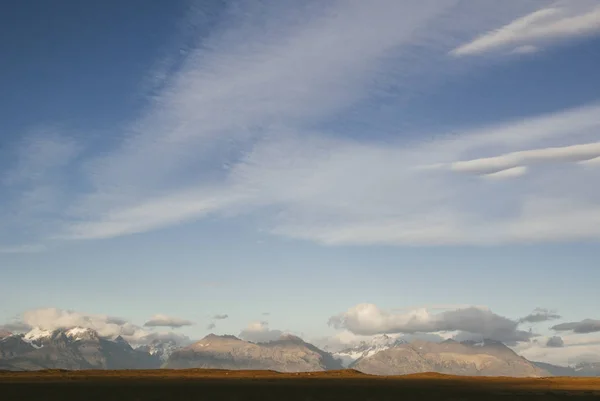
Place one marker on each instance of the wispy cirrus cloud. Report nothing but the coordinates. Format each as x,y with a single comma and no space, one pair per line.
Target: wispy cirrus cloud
238,127
34,187
285,70
566,19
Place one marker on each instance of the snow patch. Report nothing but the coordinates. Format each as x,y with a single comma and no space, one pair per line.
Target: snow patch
37,334
367,348
80,333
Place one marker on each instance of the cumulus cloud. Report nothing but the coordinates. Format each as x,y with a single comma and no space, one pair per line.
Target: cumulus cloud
368,319
555,342
259,332
540,315
167,321
220,317
584,326
210,326
566,20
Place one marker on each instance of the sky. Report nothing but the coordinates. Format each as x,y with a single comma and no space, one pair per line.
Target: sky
332,169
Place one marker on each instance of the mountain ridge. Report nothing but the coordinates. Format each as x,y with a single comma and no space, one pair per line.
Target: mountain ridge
78,348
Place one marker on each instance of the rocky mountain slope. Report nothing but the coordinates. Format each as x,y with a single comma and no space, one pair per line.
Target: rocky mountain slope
288,354
76,348
488,358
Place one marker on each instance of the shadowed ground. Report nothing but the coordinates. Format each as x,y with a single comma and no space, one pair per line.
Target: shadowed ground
200,384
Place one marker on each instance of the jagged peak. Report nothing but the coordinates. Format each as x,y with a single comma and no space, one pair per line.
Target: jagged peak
120,340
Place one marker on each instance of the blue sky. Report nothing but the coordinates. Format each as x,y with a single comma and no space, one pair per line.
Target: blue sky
286,163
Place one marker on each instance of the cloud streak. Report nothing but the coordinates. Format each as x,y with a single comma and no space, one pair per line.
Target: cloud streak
569,20
488,165
540,315
167,321
581,327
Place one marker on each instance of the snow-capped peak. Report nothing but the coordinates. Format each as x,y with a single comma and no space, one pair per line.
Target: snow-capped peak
367,348
37,334
80,333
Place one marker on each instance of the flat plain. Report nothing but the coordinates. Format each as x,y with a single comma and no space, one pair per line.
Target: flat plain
200,384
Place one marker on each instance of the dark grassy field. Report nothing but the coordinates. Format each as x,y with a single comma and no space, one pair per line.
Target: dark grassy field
264,385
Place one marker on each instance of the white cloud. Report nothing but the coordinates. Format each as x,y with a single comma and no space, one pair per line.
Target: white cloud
488,165
567,20
368,319
167,321
591,162
259,332
508,173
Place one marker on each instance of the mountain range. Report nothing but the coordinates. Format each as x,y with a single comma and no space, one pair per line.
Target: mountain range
75,348
82,348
